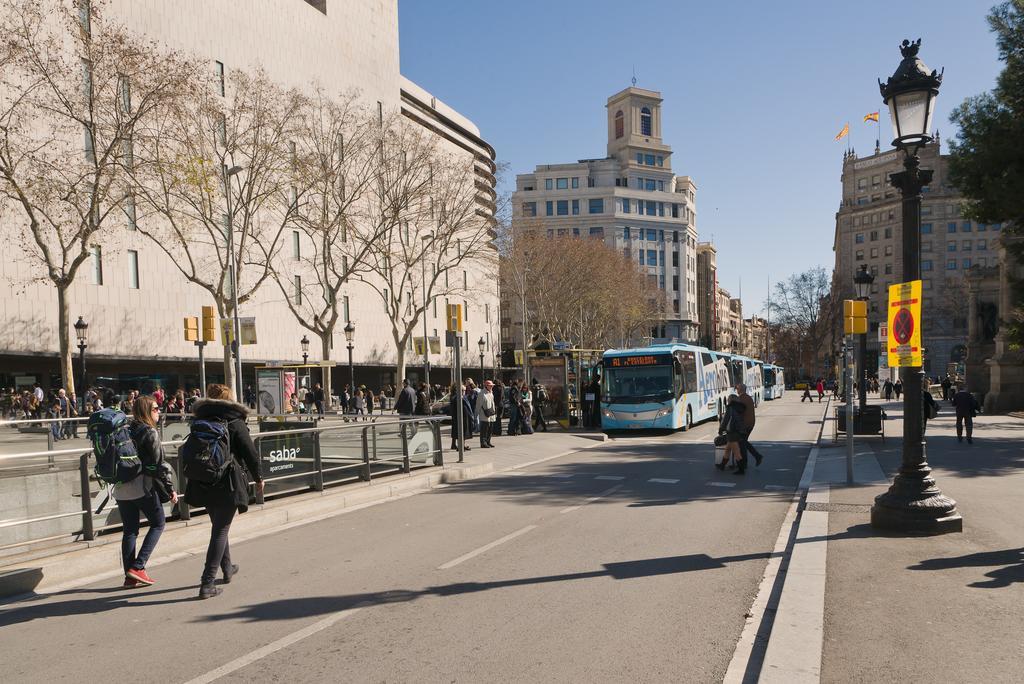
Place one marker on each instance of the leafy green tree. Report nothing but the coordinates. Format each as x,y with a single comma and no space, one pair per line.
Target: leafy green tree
987,156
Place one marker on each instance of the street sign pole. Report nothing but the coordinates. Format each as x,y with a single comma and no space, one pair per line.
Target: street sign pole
849,409
202,367
458,399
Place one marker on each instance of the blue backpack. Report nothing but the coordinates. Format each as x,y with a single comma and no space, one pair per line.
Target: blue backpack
117,461
206,454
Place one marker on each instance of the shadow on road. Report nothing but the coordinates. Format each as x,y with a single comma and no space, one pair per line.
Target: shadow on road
119,598
1011,560
292,608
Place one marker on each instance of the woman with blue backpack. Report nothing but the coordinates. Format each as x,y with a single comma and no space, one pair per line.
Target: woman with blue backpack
143,494
215,458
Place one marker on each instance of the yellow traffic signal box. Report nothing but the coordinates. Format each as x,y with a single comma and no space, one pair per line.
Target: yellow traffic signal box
209,324
454,317
855,317
191,329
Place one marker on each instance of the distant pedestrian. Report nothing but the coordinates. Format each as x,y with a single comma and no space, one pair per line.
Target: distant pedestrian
318,399
821,390
807,394
947,384
422,400
369,402
540,398
485,413
405,404
500,402
887,390
966,408
526,409
732,427
142,495
230,494
898,389
929,409
467,417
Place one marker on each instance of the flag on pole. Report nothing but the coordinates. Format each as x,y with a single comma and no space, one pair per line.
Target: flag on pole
843,133
873,116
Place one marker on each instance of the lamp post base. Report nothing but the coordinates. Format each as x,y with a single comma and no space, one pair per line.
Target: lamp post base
914,505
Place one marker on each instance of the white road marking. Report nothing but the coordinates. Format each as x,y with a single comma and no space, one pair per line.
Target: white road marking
663,480
721,484
274,646
517,472
563,476
615,478
777,487
486,547
592,499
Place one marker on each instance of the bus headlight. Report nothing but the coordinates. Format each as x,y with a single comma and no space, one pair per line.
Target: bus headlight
663,412
607,413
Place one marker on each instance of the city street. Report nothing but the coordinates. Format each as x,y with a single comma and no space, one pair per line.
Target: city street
633,560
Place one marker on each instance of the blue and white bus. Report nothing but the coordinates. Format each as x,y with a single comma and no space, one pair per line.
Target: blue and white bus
774,381
748,371
668,386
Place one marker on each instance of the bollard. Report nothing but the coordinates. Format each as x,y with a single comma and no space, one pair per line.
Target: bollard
318,464
49,447
365,474
88,533
403,429
435,427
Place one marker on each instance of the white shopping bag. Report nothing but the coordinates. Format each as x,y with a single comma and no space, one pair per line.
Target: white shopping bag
719,455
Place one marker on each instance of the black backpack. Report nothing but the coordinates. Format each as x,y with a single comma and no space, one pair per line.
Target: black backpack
117,461
206,454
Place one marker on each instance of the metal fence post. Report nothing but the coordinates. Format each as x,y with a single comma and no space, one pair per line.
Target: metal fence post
435,428
49,447
365,475
318,463
83,471
403,431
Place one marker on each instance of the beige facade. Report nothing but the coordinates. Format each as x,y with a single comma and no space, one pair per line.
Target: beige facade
632,200
868,232
134,298
707,296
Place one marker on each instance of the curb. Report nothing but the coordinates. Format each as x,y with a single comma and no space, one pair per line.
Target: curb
101,559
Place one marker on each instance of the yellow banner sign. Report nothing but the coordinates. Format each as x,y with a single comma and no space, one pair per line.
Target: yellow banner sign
904,341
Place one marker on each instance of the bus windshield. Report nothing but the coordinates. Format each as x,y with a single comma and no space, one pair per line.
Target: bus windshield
638,384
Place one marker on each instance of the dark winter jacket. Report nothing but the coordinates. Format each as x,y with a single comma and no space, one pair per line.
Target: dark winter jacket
233,488
406,402
732,420
151,453
965,404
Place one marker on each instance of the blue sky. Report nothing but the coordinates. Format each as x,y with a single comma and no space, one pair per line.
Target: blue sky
754,94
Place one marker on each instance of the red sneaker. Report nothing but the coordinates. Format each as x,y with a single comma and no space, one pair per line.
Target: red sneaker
140,576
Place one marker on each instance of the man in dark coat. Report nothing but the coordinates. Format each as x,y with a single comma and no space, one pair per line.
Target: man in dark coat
223,498
405,405
966,406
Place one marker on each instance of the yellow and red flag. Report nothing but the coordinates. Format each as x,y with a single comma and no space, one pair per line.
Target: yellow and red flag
843,133
873,116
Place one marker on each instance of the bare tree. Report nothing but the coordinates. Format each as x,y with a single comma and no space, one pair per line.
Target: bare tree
423,204
196,210
333,160
74,89
806,307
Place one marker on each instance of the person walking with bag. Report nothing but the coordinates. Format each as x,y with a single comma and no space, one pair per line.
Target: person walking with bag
145,494
732,427
485,414
230,492
966,408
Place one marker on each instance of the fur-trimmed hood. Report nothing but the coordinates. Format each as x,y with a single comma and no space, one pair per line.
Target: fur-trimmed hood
219,408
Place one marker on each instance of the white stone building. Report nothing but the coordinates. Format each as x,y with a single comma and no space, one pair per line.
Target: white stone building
632,200
134,299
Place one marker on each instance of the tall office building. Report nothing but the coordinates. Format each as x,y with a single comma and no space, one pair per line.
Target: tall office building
707,295
132,294
868,231
632,200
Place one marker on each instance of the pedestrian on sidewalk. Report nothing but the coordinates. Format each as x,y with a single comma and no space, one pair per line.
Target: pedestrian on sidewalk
898,388
966,408
485,413
467,417
732,427
538,398
887,390
821,390
807,393
405,405
318,399
929,408
526,408
141,495
947,384
498,390
749,419
230,494
515,409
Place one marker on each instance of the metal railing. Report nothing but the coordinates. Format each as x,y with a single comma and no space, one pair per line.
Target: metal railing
293,460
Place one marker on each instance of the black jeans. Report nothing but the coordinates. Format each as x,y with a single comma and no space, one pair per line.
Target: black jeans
149,506
746,446
485,433
538,419
218,554
960,422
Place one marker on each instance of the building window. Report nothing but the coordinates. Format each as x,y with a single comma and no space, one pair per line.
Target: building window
619,124
465,281
652,234
591,182
874,252
981,227
951,265
97,265
561,183
874,236
888,233
888,248
549,184
645,121
562,208
675,259
860,255
859,238
133,269
597,231
965,227
345,310
575,207
951,227
675,236
298,290
596,206
888,269
652,258
529,208
965,246
966,263
625,205
219,69
649,159
129,212
575,182
926,265
465,310
650,184
661,161
549,208
982,244
950,246
925,228
675,283
576,232
84,16
652,208
675,210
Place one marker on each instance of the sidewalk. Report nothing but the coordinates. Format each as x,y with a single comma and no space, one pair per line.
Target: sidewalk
77,562
943,608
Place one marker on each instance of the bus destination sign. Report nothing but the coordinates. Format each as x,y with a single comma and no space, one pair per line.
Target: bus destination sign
632,361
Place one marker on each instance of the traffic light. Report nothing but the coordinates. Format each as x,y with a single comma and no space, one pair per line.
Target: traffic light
454,313
855,317
191,329
209,324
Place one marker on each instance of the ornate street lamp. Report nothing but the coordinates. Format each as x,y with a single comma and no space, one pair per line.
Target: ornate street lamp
82,333
913,503
304,342
482,344
350,333
862,282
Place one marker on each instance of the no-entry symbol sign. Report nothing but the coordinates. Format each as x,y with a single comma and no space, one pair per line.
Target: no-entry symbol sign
904,323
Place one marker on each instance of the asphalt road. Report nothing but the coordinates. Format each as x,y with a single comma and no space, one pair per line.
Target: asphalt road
636,560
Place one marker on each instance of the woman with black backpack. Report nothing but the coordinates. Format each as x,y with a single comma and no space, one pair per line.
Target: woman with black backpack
145,494
230,492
